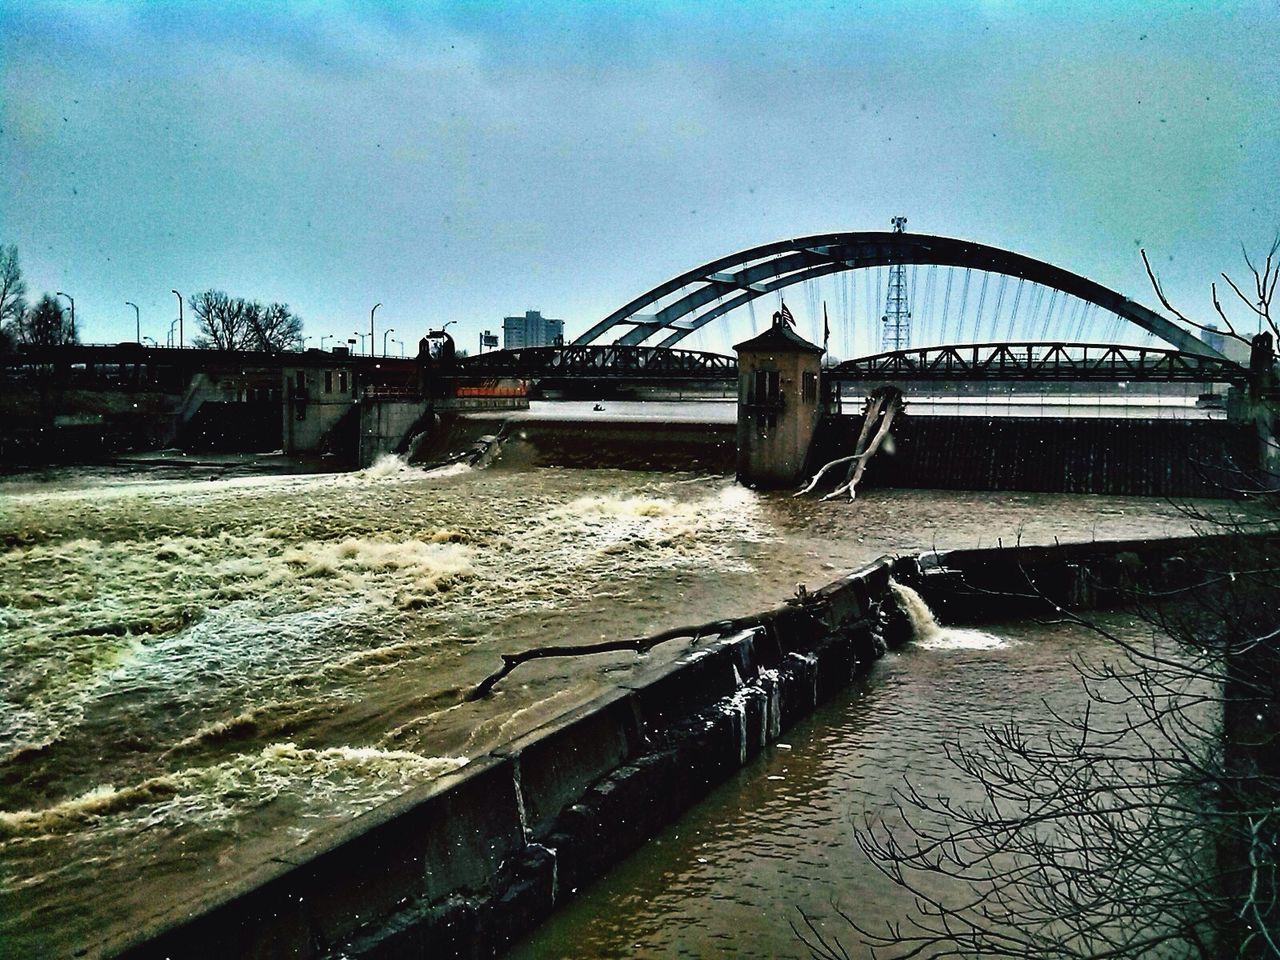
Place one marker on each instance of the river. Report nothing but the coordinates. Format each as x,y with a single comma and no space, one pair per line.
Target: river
198,674
775,844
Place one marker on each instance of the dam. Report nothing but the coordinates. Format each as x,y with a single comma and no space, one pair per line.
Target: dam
412,708
191,681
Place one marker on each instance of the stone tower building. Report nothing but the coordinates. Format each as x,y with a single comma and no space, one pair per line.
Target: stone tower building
779,404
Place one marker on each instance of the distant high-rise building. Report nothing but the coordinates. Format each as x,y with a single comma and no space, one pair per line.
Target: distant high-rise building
531,330
1213,337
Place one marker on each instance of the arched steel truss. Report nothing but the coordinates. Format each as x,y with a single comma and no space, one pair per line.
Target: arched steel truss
737,279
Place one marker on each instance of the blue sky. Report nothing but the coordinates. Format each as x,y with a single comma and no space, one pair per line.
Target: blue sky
464,161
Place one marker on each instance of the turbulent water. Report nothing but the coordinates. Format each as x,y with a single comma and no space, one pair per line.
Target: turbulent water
197,675
776,843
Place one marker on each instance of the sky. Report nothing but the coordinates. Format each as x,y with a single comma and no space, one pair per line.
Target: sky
468,161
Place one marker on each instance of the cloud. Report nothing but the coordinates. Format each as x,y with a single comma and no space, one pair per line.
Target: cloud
462,161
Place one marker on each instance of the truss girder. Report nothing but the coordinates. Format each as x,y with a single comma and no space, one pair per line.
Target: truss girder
1040,362
777,265
599,362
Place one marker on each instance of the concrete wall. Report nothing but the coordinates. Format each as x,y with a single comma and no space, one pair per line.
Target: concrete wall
1015,582
1070,455
385,425
465,865
311,413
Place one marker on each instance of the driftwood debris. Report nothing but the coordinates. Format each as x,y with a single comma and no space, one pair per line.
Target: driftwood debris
716,628
641,645
882,406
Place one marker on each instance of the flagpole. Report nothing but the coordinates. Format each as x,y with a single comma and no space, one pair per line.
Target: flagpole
826,335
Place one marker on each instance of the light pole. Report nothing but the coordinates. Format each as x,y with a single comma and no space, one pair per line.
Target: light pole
371,313
152,339
169,341
360,349
181,338
401,342
137,320
71,299
384,339
327,336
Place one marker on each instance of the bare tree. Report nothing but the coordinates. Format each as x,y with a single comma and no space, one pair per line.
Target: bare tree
220,320
1152,834
44,325
234,323
13,289
273,328
1258,301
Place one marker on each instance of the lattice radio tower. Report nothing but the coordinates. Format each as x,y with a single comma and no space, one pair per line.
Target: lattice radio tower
895,325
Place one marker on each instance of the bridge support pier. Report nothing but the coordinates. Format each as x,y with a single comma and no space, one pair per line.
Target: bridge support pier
1263,407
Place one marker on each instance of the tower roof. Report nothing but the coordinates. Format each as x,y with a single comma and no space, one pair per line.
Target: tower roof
779,338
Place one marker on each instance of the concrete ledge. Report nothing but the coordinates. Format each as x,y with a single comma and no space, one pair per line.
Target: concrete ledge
465,864
559,760
449,835
1011,582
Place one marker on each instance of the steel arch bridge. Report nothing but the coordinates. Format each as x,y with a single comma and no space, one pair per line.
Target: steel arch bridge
713,289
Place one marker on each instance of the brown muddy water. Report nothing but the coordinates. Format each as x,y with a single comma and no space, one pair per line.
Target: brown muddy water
775,844
195,676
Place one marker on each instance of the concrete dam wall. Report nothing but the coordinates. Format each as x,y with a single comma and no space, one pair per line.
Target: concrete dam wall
463,866
1145,457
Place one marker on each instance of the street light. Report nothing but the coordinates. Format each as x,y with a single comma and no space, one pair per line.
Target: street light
384,339
327,336
181,338
371,313
73,313
152,339
137,320
172,324
357,333
401,342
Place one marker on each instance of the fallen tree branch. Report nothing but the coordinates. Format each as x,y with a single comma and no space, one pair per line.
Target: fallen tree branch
639,644
878,413
821,473
890,408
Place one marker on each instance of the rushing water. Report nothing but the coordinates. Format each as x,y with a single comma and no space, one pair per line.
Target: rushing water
197,675
776,843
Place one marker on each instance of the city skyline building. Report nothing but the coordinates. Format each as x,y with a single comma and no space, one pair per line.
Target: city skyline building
531,330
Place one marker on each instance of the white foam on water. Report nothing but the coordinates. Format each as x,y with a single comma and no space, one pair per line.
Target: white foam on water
358,777
449,470
954,638
928,634
387,465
